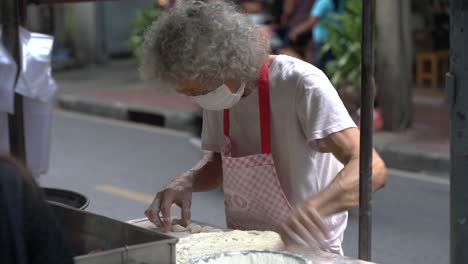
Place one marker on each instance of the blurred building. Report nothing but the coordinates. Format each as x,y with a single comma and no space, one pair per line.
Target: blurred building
88,32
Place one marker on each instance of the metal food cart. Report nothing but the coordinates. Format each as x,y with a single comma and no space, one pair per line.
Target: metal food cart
130,241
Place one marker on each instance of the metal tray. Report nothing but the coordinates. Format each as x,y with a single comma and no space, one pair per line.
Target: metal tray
66,197
214,257
115,241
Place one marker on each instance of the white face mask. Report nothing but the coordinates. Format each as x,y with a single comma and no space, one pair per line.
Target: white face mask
220,99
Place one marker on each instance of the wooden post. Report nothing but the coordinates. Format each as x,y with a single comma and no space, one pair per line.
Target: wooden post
14,15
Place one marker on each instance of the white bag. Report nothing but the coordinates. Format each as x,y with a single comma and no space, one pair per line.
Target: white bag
37,130
37,126
35,80
8,69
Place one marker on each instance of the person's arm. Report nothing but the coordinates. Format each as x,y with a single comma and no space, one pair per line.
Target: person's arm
288,9
207,174
318,11
328,128
343,192
308,25
306,224
204,176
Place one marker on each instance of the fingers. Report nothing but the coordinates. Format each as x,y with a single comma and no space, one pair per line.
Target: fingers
305,227
153,211
312,229
289,237
186,214
165,210
302,232
317,219
159,212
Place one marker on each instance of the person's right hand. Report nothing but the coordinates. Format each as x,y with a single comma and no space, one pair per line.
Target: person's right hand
178,192
293,35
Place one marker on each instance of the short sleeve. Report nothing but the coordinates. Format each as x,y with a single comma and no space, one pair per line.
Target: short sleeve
320,110
210,131
321,8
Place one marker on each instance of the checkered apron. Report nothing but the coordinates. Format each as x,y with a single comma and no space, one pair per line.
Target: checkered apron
253,196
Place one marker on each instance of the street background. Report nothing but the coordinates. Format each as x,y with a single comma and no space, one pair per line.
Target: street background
118,141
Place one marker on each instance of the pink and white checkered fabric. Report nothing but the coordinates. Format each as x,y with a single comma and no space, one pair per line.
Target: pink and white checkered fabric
253,196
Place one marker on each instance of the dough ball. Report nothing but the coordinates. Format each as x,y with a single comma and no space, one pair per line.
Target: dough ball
194,228
206,229
179,228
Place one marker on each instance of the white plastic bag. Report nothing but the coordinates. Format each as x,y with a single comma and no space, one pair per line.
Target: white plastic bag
35,80
8,71
37,129
37,126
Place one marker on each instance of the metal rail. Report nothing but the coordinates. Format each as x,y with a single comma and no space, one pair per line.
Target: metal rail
366,141
457,88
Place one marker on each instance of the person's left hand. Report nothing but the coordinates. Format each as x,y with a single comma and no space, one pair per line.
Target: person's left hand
293,35
305,227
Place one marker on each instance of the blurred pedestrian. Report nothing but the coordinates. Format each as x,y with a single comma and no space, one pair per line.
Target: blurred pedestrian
29,232
293,14
321,12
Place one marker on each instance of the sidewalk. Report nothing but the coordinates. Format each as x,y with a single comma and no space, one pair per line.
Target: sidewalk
115,91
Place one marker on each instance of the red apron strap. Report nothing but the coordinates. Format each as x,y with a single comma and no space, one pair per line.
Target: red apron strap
226,122
264,108
264,104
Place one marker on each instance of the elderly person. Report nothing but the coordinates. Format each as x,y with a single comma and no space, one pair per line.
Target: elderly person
278,138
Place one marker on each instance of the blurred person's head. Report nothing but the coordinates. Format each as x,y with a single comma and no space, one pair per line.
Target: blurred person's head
199,46
251,6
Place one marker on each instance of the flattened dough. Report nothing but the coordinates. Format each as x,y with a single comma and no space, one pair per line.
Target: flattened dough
202,244
194,228
179,228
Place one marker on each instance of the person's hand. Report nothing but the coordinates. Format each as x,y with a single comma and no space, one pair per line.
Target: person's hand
178,192
305,227
293,35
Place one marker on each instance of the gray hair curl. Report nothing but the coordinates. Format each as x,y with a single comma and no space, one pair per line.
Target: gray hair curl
202,41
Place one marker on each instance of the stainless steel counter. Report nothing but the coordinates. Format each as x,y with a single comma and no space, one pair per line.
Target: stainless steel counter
97,239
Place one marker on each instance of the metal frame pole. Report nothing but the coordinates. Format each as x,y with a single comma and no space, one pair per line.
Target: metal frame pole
366,141
14,15
457,88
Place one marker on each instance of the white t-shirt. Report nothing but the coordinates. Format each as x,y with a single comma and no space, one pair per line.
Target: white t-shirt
304,107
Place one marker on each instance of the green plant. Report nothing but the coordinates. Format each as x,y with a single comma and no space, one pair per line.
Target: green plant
344,41
143,19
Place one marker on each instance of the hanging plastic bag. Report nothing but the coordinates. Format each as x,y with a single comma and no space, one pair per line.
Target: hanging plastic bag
8,71
35,80
37,130
37,126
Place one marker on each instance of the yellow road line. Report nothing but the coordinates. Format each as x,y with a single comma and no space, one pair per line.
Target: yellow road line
129,194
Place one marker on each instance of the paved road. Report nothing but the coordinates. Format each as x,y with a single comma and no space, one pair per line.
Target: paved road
120,166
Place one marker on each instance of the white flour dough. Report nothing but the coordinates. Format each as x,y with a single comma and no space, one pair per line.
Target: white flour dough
179,228
207,229
194,228
202,244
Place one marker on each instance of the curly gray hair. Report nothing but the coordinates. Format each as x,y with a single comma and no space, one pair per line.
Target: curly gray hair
202,41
